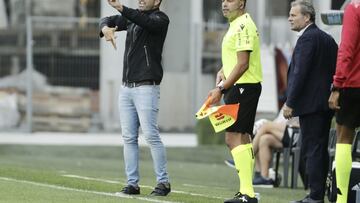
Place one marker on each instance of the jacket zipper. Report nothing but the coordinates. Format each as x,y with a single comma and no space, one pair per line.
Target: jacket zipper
147,56
129,50
127,70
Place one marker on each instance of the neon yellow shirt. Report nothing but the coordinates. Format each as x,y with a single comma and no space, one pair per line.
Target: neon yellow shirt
242,35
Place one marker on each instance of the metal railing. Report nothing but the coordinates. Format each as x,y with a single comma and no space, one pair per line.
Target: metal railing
54,73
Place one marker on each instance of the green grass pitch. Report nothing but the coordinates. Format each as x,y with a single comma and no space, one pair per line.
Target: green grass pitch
94,174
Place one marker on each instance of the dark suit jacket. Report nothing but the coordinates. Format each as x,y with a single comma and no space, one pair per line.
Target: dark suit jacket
310,73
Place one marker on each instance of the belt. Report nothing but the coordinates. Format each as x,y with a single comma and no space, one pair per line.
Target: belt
141,83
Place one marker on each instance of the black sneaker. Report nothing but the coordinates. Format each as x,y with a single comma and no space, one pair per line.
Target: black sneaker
130,190
257,174
161,189
240,198
230,163
263,182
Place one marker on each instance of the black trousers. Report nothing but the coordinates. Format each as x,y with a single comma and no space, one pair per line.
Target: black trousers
315,129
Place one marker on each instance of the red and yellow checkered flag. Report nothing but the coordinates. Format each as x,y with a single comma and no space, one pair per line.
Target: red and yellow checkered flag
221,117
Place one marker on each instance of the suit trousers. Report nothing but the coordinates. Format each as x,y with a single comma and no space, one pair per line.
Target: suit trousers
315,129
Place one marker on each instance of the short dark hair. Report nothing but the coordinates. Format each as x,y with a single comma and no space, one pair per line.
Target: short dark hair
306,8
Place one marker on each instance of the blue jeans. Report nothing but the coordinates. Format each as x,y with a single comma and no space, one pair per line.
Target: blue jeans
139,106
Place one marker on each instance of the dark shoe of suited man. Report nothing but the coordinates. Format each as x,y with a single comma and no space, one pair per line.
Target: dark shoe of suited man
307,199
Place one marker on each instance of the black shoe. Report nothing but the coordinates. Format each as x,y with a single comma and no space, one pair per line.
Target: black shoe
161,189
240,198
263,182
257,174
131,190
308,199
230,163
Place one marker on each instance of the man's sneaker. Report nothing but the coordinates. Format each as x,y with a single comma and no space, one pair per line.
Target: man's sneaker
161,189
257,174
130,190
263,182
230,163
240,198
272,173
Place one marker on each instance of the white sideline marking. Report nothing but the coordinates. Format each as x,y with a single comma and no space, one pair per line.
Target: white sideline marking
201,186
88,178
191,185
88,139
80,190
144,186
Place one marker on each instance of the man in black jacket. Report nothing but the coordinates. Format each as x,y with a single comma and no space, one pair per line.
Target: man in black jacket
139,96
309,79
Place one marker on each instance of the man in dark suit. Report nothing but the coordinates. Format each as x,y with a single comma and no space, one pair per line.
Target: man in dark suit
309,79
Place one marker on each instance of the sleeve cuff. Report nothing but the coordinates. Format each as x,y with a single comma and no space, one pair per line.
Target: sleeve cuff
289,104
337,82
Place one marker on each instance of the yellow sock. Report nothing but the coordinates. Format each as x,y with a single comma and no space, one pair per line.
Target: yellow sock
343,161
244,162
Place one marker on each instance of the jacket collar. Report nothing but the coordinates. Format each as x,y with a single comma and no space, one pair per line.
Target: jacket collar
150,11
305,29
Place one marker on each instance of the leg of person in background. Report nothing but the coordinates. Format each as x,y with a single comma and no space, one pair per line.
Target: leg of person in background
269,136
272,128
267,142
343,160
257,166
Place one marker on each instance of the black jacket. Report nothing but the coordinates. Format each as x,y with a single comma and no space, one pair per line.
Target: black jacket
310,73
146,33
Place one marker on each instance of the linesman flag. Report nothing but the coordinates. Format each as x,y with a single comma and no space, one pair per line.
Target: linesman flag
221,117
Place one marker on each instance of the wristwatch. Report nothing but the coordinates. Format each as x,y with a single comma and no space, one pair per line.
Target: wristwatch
221,88
333,88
